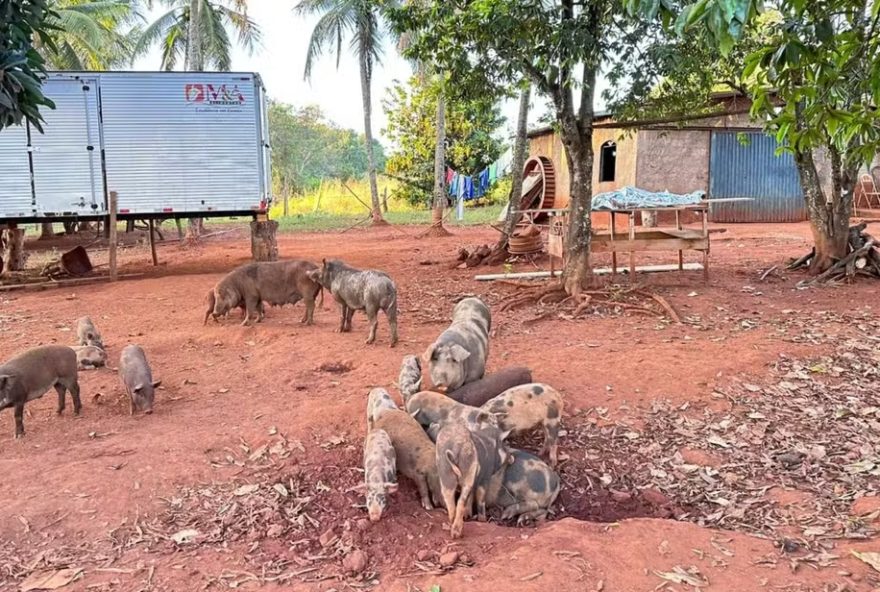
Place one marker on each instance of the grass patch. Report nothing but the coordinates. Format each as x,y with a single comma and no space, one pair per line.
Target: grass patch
322,221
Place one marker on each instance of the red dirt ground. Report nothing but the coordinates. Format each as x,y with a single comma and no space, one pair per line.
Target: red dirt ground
72,480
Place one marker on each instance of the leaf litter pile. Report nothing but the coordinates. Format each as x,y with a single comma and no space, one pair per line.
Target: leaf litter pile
816,430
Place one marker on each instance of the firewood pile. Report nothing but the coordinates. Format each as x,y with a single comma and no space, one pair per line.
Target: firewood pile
863,259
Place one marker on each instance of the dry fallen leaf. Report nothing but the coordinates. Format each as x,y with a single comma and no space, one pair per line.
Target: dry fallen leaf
680,575
50,580
185,536
869,557
246,490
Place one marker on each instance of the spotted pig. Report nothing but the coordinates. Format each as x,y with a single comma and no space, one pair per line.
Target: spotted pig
380,472
459,355
525,489
527,406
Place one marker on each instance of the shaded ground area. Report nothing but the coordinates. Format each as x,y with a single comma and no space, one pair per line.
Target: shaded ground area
738,450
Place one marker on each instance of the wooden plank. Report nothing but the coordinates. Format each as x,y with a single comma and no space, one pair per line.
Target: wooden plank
114,200
632,252
538,275
637,245
613,252
152,229
64,283
680,252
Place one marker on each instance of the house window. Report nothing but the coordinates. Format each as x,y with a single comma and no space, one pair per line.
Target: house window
607,161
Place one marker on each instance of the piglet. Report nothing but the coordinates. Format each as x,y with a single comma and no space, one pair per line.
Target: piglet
527,406
478,392
378,401
30,374
409,381
90,356
380,472
525,489
87,333
134,371
466,463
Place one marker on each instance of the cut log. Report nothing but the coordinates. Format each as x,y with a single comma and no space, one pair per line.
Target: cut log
13,254
478,392
264,246
843,265
802,261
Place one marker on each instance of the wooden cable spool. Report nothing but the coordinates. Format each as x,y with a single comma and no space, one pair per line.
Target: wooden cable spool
543,196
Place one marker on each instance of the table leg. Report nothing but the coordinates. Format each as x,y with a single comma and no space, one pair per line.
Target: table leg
613,252
680,252
706,252
632,253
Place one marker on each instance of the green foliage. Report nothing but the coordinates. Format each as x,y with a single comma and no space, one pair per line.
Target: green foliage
218,18
307,148
21,95
91,34
471,144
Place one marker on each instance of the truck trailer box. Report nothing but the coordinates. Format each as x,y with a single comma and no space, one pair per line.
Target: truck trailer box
170,144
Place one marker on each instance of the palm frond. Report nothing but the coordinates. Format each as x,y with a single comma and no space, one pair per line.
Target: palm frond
156,31
250,36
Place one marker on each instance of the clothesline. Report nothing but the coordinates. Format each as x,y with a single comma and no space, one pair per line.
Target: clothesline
469,187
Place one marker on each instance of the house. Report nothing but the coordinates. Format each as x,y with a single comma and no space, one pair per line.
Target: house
724,154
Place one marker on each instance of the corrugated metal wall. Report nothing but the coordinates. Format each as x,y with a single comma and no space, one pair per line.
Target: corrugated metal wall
68,177
183,142
753,170
16,198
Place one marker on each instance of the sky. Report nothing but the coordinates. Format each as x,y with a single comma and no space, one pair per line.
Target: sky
280,61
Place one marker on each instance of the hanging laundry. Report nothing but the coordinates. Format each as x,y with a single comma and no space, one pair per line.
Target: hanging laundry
454,183
449,174
468,190
483,185
493,172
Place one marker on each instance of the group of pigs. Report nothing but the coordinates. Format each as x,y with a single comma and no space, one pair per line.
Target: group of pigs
30,374
450,441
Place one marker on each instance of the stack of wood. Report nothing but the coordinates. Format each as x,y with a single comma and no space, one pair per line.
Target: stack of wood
863,258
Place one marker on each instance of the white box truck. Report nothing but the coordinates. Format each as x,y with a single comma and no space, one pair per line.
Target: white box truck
170,144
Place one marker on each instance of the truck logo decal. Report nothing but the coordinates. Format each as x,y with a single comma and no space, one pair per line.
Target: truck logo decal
211,94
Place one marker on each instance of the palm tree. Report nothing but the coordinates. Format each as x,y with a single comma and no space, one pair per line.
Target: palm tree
89,35
361,20
209,23
198,31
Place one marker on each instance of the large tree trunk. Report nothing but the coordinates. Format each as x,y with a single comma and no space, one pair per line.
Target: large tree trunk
520,149
439,171
47,231
366,96
576,132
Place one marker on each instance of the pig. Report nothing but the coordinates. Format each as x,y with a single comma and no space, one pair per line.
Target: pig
275,282
459,355
415,453
526,406
410,379
380,472
429,408
377,402
30,374
87,333
467,461
478,392
368,290
90,356
525,489
137,378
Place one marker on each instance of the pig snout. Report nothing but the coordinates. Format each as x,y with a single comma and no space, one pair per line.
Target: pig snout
148,411
375,506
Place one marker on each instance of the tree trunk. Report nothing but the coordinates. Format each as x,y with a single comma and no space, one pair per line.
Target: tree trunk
520,149
576,132
13,255
264,246
439,171
194,61
47,231
366,96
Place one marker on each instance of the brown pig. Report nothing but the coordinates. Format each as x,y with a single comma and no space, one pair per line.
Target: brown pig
415,453
466,462
525,489
527,406
478,392
377,402
30,374
380,472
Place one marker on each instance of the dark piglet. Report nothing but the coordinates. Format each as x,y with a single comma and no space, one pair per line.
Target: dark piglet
367,290
137,378
29,375
478,392
276,283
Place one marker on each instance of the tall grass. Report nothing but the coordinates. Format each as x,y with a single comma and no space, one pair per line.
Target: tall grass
332,206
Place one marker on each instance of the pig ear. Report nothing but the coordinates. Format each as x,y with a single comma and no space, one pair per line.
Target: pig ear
156,383
429,353
138,388
459,354
5,379
391,487
504,435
